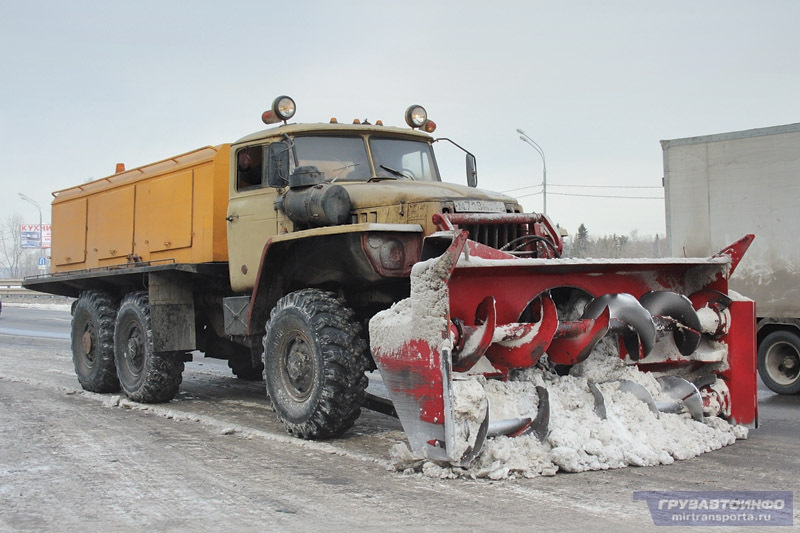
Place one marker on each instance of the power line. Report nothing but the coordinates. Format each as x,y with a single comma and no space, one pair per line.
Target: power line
521,188
609,196
526,195
591,196
611,186
588,186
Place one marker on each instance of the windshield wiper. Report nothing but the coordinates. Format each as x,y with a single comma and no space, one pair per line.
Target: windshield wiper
396,172
340,170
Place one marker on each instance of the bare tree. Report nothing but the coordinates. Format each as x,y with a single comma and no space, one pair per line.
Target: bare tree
12,255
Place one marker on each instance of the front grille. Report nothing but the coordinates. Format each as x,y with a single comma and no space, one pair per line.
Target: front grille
495,235
515,233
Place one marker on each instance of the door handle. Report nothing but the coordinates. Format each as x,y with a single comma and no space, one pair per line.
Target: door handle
231,218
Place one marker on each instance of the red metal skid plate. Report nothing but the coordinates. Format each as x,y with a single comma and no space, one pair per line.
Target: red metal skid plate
741,376
414,371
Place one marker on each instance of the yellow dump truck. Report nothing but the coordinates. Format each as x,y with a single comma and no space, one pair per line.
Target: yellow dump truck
275,252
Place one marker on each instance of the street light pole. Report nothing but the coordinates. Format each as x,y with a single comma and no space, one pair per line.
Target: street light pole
41,227
524,137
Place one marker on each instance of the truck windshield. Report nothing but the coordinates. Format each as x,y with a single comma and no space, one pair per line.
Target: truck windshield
395,157
344,158
338,158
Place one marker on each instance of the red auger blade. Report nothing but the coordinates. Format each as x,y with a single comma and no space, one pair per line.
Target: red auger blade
521,344
574,341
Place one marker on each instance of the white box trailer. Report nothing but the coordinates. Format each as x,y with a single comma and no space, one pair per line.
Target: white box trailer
721,187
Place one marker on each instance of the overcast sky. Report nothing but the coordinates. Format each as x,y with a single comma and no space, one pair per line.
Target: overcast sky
596,84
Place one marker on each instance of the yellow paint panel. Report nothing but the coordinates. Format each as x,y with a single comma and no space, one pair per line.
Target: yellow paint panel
69,233
110,224
203,230
164,213
179,206
220,204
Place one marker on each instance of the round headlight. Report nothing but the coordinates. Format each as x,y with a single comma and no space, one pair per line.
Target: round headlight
392,254
416,116
284,107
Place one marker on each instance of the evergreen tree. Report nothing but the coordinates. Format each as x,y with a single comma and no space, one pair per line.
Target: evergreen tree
581,243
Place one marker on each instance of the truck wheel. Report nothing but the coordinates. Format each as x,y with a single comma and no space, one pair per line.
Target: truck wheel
315,361
241,363
779,362
93,341
145,375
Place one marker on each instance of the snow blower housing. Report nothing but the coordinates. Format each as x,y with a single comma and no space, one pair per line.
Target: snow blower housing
279,251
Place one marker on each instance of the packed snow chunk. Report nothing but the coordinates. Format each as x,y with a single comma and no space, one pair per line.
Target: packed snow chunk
469,411
423,316
605,365
579,439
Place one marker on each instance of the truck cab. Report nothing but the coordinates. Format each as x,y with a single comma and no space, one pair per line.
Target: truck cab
353,200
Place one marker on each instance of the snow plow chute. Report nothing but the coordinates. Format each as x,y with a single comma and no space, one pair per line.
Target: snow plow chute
471,305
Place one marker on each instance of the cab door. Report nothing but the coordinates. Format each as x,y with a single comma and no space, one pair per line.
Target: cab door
252,219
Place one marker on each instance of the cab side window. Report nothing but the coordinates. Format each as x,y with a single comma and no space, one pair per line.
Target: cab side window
249,168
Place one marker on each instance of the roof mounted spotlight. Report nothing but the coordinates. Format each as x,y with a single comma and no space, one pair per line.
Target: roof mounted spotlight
417,117
283,108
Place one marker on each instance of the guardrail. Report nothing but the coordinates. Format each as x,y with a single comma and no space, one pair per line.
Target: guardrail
12,286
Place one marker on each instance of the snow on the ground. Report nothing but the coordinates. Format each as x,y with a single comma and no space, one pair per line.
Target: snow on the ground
44,307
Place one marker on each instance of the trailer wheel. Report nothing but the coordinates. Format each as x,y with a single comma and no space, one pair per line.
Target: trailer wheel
315,361
93,341
145,375
779,362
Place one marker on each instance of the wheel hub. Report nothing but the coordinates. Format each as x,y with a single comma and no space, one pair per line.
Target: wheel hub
134,352
86,340
783,363
298,368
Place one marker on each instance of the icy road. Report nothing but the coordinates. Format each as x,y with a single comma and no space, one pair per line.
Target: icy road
216,459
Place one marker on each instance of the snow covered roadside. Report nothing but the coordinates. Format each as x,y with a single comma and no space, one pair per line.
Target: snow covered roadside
579,439
42,306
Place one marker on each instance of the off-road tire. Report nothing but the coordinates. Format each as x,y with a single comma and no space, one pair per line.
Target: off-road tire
93,341
145,375
779,362
315,361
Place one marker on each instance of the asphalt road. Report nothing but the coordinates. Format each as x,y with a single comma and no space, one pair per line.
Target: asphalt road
215,458
34,322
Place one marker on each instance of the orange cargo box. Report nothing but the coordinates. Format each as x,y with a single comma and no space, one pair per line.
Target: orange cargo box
173,210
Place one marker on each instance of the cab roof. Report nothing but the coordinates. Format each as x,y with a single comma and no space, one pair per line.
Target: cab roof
327,128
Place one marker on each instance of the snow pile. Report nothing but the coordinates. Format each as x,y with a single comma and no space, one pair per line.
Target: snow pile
579,439
391,328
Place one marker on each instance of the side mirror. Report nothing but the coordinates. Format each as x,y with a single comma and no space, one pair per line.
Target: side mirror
277,167
472,171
